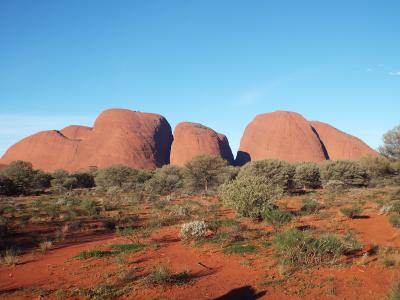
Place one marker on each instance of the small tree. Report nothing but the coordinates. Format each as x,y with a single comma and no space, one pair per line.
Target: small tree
204,173
391,144
115,176
273,171
307,175
62,181
22,175
249,196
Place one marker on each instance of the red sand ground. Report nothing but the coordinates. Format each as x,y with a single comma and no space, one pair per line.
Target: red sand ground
222,275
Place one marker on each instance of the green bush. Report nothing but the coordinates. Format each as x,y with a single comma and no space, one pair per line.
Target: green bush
7,186
42,180
376,166
162,275
206,173
84,179
275,172
277,217
22,175
395,292
121,177
300,248
249,196
351,212
307,175
335,186
165,180
90,207
62,181
309,206
395,220
349,172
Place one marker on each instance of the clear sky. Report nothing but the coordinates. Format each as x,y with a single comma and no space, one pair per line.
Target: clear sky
215,62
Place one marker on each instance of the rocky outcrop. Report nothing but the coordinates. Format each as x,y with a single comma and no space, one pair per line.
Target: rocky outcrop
192,139
119,136
340,145
280,135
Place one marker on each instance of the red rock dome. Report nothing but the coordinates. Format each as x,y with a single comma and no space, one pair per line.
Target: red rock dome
340,145
280,135
192,139
119,136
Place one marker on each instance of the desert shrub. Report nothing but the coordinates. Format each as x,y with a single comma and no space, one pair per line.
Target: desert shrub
349,172
165,180
62,181
22,175
121,177
44,246
83,179
7,186
309,206
394,292
307,175
395,194
376,166
42,180
10,256
90,207
249,195
300,248
275,172
335,186
181,211
395,220
205,173
277,217
162,275
194,230
351,212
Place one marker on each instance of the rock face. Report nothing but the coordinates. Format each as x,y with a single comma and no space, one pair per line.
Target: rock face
192,139
75,132
280,135
340,145
119,136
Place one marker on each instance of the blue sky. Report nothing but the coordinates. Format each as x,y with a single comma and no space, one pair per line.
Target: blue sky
215,62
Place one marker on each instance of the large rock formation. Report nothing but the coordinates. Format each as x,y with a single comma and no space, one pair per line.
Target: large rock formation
280,135
192,139
119,136
289,136
340,145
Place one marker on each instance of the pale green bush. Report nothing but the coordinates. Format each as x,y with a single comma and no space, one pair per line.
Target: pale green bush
249,195
351,173
275,172
307,175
